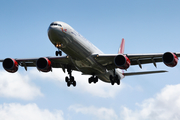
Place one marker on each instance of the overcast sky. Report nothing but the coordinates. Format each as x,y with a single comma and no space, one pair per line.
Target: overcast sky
147,27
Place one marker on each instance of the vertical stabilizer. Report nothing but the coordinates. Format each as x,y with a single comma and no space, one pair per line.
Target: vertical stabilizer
121,48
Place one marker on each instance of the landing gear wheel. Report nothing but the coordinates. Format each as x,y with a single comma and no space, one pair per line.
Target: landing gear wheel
118,82
68,84
58,53
90,80
93,79
96,79
74,83
111,79
66,79
112,82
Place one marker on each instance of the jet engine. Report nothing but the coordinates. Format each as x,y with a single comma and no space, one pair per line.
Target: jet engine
122,61
43,64
10,65
170,59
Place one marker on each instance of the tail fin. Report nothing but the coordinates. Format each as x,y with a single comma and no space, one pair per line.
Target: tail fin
121,48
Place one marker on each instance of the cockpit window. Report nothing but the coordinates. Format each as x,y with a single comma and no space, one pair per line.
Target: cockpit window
55,24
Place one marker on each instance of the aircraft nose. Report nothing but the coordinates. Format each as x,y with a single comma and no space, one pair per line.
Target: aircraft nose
55,31
54,28
51,26
50,29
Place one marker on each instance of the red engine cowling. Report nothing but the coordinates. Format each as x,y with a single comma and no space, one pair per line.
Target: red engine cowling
43,64
170,59
122,61
10,65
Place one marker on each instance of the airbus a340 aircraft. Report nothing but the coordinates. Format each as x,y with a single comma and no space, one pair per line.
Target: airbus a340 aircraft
85,57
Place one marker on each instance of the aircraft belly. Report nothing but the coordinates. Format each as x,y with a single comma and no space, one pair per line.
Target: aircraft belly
88,66
104,77
75,51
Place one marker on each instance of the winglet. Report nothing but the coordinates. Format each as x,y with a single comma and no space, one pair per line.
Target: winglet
121,48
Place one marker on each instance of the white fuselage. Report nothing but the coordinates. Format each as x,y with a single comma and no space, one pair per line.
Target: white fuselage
79,50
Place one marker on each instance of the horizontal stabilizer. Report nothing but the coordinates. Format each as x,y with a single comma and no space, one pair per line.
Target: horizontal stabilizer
145,72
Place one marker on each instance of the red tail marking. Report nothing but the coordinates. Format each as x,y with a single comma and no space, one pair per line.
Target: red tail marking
121,49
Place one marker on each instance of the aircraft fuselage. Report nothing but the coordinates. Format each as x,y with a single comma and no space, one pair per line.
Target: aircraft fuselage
80,50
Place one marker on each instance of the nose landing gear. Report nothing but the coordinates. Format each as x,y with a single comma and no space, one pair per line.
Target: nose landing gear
58,53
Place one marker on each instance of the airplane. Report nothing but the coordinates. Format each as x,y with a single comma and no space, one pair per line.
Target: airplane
84,57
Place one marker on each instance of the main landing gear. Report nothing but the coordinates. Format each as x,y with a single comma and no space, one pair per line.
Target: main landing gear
93,79
114,78
70,80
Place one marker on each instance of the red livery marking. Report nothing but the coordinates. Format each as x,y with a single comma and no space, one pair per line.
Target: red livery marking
64,30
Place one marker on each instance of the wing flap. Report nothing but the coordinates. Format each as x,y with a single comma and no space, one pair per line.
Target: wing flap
145,61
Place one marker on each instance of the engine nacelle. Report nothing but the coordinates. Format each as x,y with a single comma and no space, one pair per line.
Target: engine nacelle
10,65
122,61
170,59
43,64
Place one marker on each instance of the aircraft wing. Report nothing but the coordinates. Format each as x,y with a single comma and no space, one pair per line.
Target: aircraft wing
56,62
107,60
